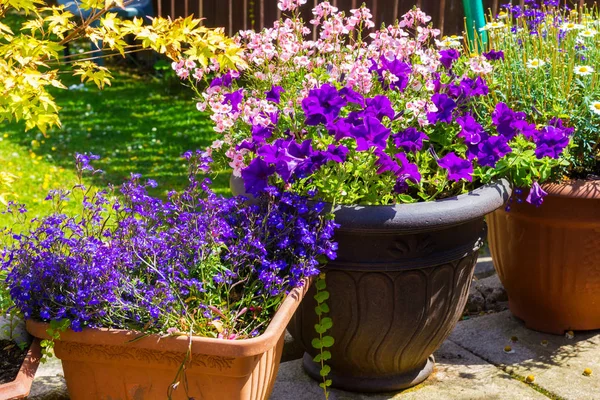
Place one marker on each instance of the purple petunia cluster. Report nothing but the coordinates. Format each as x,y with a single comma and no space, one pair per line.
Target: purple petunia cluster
196,261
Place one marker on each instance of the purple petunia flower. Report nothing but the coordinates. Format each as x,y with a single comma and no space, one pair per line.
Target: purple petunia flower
494,55
551,141
458,168
322,105
352,97
234,99
337,153
256,176
536,195
447,57
399,69
445,105
274,94
410,139
471,131
492,150
371,133
408,170
507,121
379,106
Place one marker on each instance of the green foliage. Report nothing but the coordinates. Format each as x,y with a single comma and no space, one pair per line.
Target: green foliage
541,75
56,328
126,124
323,342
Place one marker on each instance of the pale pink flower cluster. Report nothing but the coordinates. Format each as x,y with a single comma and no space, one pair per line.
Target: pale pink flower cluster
185,68
480,65
284,55
414,18
290,5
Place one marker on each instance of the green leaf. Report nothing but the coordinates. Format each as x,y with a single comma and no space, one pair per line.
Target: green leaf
325,370
327,341
318,358
324,308
320,284
320,328
327,323
316,343
325,355
318,310
321,297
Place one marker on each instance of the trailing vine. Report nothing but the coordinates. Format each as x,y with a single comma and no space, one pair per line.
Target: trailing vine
324,341
47,345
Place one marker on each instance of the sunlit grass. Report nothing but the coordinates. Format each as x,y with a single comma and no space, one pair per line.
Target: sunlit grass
137,125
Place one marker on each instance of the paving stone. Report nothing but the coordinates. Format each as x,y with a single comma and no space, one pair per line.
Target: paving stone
49,383
458,375
484,267
557,363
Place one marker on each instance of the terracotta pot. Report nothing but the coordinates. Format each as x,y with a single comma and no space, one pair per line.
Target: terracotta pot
20,387
397,288
105,364
548,258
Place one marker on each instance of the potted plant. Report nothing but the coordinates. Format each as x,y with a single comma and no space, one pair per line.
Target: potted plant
404,142
547,257
19,355
148,298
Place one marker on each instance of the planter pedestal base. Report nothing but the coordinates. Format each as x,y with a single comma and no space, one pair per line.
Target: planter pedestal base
374,384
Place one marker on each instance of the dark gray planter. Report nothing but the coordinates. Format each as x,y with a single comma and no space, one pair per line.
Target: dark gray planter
397,288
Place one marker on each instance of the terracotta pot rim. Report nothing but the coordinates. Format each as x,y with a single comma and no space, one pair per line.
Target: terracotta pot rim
200,345
21,385
431,215
577,189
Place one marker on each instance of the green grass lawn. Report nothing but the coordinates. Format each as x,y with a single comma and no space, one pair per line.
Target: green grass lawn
139,124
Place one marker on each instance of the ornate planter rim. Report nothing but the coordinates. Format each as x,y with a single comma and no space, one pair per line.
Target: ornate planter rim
21,385
200,345
577,189
425,216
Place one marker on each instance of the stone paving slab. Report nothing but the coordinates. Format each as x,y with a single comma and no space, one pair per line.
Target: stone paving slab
556,366
458,375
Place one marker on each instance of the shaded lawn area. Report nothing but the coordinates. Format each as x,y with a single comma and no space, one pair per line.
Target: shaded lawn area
135,126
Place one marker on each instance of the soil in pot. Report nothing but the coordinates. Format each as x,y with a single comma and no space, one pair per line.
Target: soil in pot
11,359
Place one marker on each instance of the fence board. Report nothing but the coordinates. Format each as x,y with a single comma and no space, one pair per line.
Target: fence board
235,15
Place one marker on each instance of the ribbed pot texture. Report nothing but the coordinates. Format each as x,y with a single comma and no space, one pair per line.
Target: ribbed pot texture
397,288
106,365
548,258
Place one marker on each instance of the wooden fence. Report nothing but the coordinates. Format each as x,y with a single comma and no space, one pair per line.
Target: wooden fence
235,15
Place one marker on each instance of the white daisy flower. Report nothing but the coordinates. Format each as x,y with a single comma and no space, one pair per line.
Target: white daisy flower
588,33
583,70
595,107
493,25
535,63
568,26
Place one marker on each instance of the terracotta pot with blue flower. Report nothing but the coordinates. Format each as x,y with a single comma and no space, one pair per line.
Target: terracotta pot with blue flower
410,150
548,257
147,298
